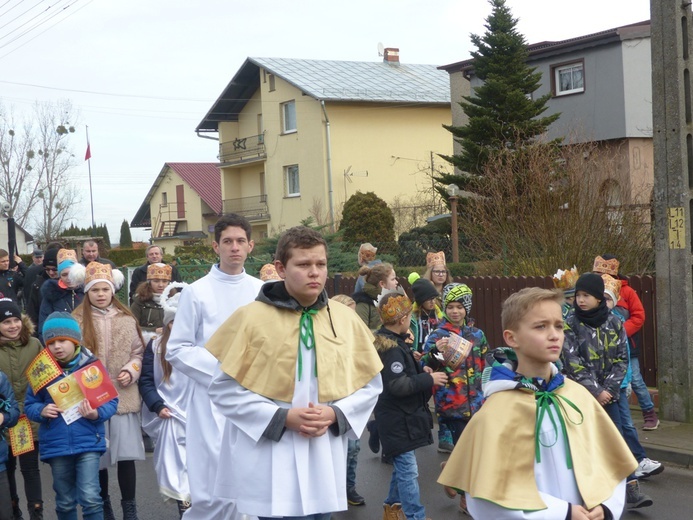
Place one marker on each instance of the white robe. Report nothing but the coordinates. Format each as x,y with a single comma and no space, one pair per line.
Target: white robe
556,483
169,434
203,307
295,476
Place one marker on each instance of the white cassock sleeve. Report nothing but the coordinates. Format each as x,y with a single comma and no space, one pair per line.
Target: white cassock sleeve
185,350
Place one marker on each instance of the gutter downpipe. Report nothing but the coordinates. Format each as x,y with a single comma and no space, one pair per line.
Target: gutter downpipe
329,165
205,136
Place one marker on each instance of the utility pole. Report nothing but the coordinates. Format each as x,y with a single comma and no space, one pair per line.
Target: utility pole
672,117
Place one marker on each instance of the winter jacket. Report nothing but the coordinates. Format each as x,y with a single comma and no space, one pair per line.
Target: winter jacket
119,348
11,283
29,278
100,260
33,306
365,306
422,324
461,397
56,299
56,437
14,360
9,408
149,314
139,275
402,416
596,358
630,301
147,384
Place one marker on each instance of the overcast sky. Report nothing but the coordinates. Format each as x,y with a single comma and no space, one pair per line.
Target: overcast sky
143,73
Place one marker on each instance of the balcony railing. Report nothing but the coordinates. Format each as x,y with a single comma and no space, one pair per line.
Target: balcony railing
252,208
243,149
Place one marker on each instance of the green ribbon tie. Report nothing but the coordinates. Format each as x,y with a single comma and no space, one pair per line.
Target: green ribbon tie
305,330
544,400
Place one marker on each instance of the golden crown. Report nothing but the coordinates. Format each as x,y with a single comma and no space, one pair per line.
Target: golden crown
605,266
435,259
269,272
613,285
98,271
565,279
396,307
159,272
66,254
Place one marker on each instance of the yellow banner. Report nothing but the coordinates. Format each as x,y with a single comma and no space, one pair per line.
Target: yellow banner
42,370
21,438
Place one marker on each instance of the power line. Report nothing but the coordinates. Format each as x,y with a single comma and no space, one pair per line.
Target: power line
42,13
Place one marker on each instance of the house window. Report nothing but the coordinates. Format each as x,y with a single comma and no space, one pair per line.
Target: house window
293,188
289,117
568,78
272,86
164,198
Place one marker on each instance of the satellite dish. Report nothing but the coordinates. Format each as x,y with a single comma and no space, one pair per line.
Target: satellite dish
381,49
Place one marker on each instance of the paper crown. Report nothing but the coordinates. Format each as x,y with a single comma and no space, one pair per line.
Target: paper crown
269,272
66,254
98,272
396,307
565,280
435,258
367,253
605,266
612,286
159,272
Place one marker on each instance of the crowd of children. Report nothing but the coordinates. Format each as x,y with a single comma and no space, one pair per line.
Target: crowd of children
560,383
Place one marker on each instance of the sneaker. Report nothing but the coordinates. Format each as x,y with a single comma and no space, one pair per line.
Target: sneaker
354,498
373,437
634,498
651,420
445,447
647,468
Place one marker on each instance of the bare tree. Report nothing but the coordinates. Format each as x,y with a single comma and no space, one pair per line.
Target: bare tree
35,165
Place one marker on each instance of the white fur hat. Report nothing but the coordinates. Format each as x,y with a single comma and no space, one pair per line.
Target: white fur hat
170,303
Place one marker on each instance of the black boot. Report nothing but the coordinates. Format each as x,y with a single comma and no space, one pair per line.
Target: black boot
183,506
16,512
108,509
36,512
129,509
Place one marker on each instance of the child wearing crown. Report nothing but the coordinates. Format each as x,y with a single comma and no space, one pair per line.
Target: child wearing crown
565,280
402,416
146,304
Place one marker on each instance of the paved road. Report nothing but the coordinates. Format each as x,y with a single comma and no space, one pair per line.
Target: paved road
671,492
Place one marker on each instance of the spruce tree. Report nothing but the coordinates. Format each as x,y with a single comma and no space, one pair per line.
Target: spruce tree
502,113
125,236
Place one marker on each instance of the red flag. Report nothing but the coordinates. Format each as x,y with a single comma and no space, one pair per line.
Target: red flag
87,155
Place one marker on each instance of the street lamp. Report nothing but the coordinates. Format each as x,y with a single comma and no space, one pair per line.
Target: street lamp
453,193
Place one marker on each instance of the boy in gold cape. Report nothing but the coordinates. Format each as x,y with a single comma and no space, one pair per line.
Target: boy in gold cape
298,377
541,447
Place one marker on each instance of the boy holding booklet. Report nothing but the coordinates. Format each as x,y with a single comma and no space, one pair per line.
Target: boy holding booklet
73,450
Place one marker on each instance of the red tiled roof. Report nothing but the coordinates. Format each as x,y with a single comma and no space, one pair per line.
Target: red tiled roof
204,178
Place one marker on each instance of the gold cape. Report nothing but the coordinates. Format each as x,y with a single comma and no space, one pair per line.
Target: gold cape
258,347
494,458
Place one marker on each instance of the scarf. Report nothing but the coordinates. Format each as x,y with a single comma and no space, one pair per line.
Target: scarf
593,317
69,366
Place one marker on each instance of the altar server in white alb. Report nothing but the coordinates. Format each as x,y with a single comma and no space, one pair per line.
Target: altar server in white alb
298,378
204,306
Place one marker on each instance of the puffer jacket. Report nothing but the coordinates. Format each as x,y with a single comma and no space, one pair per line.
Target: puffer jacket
9,408
461,397
56,437
402,416
597,358
56,299
14,360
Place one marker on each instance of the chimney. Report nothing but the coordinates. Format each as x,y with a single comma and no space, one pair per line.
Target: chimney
391,55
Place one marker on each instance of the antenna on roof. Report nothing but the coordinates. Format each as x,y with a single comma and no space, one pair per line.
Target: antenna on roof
381,49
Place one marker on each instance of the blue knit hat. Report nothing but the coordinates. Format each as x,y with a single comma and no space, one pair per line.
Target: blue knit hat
61,325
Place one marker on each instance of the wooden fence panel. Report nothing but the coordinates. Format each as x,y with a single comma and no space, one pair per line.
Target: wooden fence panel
489,292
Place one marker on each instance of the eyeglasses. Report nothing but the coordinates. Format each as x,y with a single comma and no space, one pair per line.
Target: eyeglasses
50,269
439,272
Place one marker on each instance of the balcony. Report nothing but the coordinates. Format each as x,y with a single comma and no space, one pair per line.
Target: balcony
252,208
167,219
243,150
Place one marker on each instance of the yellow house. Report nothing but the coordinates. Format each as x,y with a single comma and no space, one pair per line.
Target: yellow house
182,205
297,138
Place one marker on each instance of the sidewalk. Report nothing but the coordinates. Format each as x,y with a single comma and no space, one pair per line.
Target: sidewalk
672,442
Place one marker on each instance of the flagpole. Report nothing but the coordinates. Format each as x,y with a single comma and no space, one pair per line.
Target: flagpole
91,194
